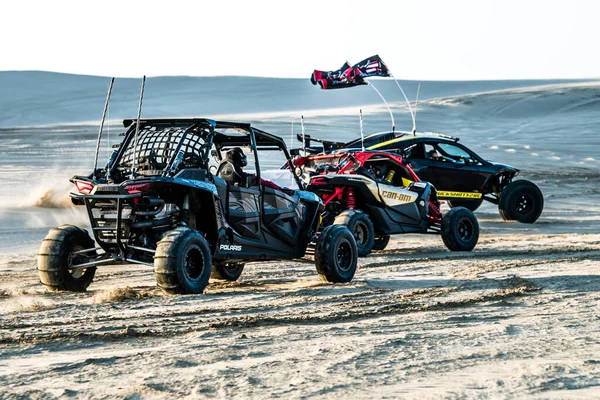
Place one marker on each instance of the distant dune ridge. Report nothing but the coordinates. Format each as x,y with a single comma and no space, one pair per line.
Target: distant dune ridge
30,98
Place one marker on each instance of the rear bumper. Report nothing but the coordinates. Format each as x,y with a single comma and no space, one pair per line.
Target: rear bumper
111,225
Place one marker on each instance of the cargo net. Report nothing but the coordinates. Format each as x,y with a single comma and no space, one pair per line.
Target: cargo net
156,146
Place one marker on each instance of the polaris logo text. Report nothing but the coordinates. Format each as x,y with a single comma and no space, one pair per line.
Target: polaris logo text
396,196
230,247
108,188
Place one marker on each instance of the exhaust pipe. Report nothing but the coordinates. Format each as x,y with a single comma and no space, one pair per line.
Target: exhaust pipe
151,202
152,223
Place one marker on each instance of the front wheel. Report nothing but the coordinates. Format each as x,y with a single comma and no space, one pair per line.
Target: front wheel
61,252
521,200
182,262
361,227
227,271
336,255
460,229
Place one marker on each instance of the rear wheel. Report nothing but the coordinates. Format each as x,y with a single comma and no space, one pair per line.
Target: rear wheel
381,242
521,200
460,229
361,227
182,262
227,271
336,255
470,205
60,253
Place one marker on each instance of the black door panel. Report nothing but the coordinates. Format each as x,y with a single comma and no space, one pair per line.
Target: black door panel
451,176
281,215
244,211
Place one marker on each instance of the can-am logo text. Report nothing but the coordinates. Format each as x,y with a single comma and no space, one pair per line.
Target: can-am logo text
396,196
230,247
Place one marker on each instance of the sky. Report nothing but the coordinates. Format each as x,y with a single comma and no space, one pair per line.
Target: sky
418,40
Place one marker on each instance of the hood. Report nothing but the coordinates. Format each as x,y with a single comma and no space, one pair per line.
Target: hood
499,167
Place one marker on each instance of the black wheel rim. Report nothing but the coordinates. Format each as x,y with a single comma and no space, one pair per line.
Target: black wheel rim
524,203
231,267
343,256
360,234
76,259
194,263
464,229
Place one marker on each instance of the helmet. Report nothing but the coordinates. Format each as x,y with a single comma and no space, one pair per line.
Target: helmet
237,156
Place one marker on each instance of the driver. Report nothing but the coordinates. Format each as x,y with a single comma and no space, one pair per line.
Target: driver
433,155
231,170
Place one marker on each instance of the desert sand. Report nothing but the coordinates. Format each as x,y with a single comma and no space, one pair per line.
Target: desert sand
516,317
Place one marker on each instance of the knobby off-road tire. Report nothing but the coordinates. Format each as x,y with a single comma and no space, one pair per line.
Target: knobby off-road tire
58,252
336,255
182,262
361,227
470,205
227,271
521,200
460,229
381,242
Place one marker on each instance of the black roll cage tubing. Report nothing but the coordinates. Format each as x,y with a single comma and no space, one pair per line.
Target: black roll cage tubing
256,137
272,140
129,135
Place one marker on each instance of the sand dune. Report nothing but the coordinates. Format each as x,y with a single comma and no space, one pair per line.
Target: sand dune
517,316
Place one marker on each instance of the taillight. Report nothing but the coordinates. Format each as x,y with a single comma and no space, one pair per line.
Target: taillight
84,187
138,188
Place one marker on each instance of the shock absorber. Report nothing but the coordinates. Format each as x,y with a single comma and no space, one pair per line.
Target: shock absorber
184,215
350,199
390,176
434,210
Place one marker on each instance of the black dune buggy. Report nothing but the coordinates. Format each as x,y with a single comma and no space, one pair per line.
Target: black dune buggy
158,203
459,174
376,195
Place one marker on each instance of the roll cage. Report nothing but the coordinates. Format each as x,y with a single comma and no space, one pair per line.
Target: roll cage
343,162
163,145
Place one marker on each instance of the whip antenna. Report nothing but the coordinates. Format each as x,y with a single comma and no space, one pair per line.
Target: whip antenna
303,140
386,104
137,127
101,127
292,135
416,104
108,130
362,135
412,114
